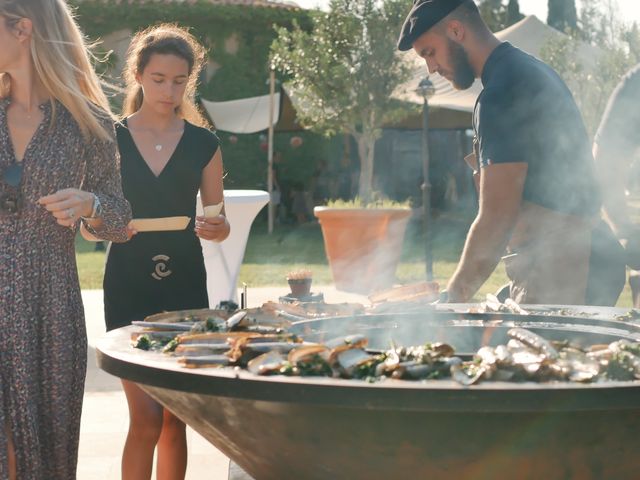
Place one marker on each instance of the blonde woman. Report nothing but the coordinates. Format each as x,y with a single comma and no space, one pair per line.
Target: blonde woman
58,167
167,158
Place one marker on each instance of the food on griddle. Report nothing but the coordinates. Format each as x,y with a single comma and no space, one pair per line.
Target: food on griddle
149,341
633,314
267,348
143,342
427,291
404,298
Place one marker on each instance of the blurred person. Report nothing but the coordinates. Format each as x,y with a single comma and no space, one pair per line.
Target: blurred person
320,183
280,195
58,167
167,156
616,146
299,203
539,199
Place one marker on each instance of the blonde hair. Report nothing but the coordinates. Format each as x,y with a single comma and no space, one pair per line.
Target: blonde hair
164,39
61,61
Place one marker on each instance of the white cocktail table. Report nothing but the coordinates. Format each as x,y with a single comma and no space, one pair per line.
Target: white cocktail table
223,260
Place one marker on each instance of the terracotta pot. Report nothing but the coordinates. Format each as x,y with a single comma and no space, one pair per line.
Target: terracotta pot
300,287
363,246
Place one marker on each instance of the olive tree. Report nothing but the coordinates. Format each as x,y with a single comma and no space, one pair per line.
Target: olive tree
343,72
619,46
499,15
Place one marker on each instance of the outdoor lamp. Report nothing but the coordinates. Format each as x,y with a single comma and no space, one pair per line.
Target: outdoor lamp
426,90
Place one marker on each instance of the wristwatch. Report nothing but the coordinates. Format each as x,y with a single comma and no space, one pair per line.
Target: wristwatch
96,210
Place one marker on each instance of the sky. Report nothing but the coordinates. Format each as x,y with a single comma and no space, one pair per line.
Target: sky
629,9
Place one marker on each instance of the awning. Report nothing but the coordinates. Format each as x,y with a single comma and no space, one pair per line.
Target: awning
247,115
529,34
251,115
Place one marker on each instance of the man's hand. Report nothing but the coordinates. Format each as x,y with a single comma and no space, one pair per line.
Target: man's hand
631,246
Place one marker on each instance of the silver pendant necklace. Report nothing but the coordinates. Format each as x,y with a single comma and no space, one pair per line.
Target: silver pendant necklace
158,147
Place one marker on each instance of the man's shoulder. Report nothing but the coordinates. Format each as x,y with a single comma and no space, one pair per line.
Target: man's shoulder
498,102
617,132
629,87
518,69
527,84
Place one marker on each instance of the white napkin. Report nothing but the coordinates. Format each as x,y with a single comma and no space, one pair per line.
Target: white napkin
213,210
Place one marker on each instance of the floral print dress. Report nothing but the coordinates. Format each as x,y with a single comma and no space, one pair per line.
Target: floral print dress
43,343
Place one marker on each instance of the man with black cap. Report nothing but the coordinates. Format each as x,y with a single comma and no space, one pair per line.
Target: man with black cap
538,195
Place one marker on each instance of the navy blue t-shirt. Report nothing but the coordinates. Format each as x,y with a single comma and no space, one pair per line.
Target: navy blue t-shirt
527,114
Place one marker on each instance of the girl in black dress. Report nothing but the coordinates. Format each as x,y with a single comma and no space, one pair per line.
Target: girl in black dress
167,156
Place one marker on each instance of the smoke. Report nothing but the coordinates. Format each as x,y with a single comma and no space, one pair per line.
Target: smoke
364,246
466,333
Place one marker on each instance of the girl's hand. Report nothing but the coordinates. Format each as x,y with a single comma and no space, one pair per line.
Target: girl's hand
68,205
212,228
131,232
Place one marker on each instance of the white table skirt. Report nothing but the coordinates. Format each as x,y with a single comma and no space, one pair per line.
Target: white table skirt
223,260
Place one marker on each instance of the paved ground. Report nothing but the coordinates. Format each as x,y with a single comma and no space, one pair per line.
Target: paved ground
105,415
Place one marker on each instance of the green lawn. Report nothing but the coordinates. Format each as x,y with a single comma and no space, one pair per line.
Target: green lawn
268,258
90,264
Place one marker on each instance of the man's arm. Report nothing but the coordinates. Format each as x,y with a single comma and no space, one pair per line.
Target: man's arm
616,144
613,171
501,187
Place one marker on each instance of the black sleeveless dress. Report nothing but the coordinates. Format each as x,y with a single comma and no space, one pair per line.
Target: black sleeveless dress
159,271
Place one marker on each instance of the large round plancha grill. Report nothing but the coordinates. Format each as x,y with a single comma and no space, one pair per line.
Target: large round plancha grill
280,427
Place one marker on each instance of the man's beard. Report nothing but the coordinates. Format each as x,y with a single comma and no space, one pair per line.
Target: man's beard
463,74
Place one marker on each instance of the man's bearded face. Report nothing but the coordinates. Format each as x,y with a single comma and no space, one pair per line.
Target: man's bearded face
462,71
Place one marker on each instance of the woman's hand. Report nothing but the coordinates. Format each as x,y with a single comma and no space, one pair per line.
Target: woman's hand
212,228
131,232
68,205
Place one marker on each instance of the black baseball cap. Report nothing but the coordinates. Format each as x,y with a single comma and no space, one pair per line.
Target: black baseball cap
423,15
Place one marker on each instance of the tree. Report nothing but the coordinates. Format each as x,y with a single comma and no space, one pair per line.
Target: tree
632,38
513,12
344,71
619,45
563,15
494,14
499,16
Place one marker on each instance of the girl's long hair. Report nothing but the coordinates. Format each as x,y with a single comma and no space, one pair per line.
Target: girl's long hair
164,39
61,61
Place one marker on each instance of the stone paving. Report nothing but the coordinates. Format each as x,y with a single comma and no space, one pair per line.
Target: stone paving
105,414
